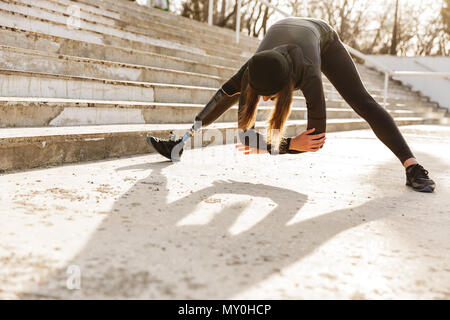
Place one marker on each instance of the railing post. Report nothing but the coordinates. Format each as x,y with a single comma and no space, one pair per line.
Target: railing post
210,12
386,82
238,20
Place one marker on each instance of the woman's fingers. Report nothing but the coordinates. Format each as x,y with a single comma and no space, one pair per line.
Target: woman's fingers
315,146
315,140
249,150
317,136
317,143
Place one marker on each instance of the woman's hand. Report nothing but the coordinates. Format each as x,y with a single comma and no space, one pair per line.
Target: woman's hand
249,150
305,142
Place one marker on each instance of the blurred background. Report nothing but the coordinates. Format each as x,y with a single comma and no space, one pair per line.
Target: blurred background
396,27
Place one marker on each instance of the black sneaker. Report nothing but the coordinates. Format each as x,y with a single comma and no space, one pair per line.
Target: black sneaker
417,178
171,149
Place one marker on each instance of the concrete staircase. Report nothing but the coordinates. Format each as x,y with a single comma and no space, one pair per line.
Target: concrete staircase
92,88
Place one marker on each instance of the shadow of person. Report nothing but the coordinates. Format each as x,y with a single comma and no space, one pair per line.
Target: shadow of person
147,248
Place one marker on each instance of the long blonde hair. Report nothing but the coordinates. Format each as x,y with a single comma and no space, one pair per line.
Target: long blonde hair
247,112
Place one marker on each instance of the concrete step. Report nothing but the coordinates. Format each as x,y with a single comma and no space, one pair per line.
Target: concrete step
38,61
23,148
23,22
59,45
117,8
151,27
138,38
38,112
377,78
15,83
166,40
62,46
19,38
374,76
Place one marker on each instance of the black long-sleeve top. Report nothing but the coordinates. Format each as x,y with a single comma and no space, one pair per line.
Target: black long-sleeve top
301,41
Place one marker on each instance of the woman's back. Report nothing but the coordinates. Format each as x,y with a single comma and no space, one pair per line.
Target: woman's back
312,35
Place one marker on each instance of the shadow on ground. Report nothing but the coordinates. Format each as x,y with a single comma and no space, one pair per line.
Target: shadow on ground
141,250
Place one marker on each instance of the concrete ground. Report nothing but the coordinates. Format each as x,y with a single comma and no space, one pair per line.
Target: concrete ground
336,224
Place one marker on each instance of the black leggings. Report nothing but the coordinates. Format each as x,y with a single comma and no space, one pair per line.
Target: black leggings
339,68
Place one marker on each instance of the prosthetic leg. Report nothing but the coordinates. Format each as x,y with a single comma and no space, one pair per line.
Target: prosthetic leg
173,148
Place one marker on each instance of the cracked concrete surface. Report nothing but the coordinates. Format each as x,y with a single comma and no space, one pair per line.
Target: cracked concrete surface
336,224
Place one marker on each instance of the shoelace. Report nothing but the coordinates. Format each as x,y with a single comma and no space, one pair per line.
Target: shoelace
420,172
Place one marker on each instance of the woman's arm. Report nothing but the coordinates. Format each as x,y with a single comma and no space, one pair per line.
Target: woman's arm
315,99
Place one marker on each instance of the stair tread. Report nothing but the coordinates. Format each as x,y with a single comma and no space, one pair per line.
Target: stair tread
90,130
130,104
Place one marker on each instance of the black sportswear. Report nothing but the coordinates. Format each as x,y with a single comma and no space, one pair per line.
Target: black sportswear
312,46
268,72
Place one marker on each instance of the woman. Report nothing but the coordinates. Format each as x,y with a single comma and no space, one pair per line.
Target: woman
292,56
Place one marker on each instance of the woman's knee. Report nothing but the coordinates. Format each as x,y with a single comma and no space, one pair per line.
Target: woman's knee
366,107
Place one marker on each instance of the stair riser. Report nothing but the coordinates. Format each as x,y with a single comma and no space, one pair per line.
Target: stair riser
56,150
26,86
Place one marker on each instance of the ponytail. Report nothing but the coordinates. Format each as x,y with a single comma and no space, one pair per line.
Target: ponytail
279,115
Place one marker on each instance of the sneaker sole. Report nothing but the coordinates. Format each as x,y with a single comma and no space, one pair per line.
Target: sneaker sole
429,188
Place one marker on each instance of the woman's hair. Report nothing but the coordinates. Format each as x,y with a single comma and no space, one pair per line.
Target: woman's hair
277,118
247,113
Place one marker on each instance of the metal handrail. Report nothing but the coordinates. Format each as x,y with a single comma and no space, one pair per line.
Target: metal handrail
426,74
380,67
